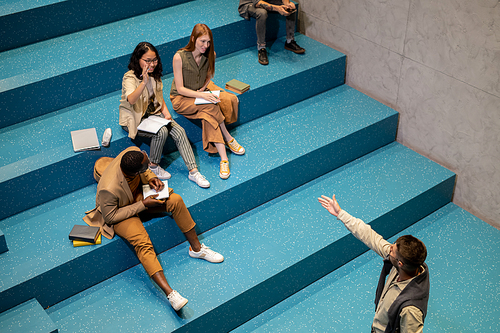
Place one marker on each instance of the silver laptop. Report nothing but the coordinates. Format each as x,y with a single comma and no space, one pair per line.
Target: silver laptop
85,139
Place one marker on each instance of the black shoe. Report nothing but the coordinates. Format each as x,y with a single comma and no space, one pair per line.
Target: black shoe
263,57
292,46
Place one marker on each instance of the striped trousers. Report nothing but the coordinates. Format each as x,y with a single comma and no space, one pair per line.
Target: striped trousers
158,142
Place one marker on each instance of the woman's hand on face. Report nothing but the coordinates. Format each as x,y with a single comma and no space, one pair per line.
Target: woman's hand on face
145,75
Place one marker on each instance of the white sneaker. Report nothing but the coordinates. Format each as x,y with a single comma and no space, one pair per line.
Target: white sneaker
207,254
160,173
199,179
176,300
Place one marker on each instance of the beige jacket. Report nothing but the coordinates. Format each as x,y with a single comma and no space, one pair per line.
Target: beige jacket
114,200
131,115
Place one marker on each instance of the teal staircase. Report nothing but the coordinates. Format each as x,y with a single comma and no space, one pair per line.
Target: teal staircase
306,133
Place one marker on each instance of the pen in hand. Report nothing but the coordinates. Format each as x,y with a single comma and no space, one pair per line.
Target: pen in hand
217,98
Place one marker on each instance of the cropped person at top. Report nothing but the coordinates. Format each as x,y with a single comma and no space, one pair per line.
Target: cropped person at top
194,67
259,10
142,96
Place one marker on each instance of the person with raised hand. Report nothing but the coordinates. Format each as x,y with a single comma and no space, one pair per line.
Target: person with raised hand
142,97
403,288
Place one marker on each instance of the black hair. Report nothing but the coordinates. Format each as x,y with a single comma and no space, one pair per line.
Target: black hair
132,162
413,252
139,51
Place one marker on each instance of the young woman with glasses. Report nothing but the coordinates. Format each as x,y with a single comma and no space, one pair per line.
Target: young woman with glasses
142,96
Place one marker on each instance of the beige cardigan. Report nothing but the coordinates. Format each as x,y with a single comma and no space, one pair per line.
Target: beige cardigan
114,200
131,115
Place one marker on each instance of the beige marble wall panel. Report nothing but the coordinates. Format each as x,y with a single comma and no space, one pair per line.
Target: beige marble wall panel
458,37
371,68
457,126
380,21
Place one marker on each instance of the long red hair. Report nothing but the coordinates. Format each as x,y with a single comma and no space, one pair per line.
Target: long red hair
200,30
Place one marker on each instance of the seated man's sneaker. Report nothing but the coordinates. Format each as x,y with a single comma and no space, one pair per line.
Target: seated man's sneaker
263,57
160,173
207,254
176,300
224,172
292,46
199,179
235,147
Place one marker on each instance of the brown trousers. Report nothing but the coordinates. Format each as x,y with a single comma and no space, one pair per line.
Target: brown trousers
134,232
211,115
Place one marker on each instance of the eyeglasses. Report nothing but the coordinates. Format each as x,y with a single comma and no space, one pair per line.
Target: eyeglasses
149,61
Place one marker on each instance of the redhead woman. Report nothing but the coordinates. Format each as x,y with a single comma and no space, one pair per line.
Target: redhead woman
194,67
142,96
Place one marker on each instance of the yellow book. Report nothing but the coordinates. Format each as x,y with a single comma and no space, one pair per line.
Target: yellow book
77,243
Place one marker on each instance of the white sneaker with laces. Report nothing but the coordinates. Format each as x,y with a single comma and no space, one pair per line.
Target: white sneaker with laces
176,300
207,254
160,172
199,179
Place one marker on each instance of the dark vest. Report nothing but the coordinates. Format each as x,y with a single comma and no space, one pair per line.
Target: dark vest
416,293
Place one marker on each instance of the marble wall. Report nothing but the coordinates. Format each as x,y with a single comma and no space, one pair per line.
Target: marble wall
438,64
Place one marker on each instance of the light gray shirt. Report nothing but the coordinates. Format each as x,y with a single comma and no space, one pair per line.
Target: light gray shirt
412,320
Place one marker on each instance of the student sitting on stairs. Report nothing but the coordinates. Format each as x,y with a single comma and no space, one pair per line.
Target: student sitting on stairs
142,96
119,202
194,67
259,9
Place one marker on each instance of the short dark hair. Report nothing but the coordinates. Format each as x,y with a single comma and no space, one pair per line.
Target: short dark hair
132,162
412,251
139,51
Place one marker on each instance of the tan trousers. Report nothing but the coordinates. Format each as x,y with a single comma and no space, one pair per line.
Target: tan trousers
134,232
211,115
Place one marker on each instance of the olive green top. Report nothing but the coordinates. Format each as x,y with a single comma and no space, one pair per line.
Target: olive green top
194,76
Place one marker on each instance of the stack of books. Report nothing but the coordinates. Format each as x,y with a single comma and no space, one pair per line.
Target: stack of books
82,235
237,86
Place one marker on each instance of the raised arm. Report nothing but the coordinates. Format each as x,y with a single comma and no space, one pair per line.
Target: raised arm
131,91
357,227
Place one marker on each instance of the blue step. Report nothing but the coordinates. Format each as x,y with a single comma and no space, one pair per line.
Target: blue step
67,70
464,290
35,150
26,318
3,243
34,21
25,159
271,252
283,152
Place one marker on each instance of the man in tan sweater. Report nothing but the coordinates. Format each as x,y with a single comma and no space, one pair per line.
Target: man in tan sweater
119,201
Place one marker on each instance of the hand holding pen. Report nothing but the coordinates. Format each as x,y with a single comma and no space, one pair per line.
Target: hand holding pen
214,99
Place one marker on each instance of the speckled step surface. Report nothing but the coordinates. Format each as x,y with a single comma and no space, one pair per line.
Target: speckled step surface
34,150
274,163
270,252
25,318
33,21
464,290
63,71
